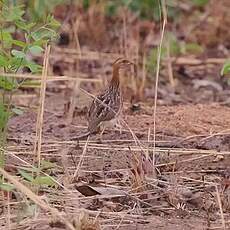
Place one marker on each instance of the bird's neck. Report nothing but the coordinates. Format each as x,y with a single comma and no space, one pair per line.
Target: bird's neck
115,81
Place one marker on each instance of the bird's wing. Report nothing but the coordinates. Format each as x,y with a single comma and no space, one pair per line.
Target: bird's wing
103,108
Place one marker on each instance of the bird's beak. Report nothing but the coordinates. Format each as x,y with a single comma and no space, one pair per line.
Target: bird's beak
134,67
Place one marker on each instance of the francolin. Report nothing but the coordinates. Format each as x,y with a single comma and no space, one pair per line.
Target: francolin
105,109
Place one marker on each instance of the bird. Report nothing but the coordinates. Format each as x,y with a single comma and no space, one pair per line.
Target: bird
106,107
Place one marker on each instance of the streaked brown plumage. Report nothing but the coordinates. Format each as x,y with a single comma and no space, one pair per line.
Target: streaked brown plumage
107,106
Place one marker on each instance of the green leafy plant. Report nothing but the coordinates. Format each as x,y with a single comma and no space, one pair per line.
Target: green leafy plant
6,186
152,58
176,48
37,180
145,9
32,175
39,9
226,68
4,116
20,40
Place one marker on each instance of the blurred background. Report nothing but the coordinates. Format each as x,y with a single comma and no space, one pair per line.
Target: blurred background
196,44
93,33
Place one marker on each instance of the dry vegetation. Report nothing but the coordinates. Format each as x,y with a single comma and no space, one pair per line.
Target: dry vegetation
170,166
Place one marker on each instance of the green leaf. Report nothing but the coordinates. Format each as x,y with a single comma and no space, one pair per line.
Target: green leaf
225,69
2,142
34,68
7,83
19,43
6,187
41,7
4,116
52,22
174,47
44,33
193,48
44,180
3,61
152,58
39,43
16,63
86,4
36,50
7,39
18,54
111,9
47,164
31,84
32,169
17,111
26,175
12,13
6,36
24,25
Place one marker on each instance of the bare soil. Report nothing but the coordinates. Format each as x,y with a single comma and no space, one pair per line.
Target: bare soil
191,156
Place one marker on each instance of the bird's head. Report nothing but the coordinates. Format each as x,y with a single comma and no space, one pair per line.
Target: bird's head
122,67
122,63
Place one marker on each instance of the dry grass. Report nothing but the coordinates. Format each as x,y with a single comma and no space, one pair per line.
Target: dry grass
157,75
36,199
120,165
40,114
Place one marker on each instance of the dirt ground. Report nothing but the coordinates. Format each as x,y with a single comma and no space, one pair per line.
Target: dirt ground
110,183
191,157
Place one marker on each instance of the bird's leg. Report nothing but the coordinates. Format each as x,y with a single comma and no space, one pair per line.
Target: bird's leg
102,131
118,125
